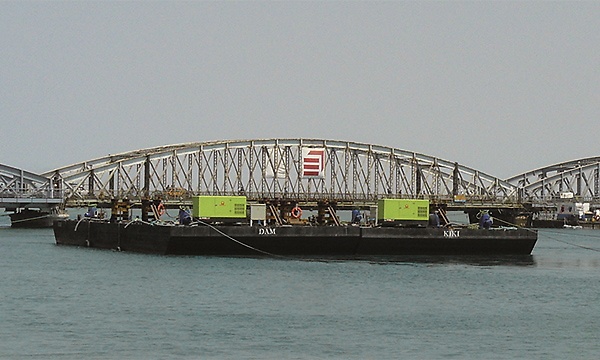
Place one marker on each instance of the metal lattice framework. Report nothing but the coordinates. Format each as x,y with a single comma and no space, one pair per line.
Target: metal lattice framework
18,186
579,177
273,169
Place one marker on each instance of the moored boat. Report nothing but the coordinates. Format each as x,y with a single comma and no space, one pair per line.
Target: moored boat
33,218
343,241
407,230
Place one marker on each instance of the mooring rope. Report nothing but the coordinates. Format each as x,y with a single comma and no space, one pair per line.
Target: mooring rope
515,225
572,244
29,219
237,241
137,220
553,238
226,236
266,252
79,222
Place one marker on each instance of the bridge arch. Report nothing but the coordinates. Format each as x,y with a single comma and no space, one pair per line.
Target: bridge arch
580,177
292,169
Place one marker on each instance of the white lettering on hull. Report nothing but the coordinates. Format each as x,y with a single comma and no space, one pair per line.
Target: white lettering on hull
266,231
451,233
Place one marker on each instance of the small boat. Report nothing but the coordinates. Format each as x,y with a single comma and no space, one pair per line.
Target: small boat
36,218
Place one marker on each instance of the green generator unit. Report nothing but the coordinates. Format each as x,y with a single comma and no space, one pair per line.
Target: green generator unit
403,212
219,207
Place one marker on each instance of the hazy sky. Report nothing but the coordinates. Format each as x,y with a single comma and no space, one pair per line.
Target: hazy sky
503,87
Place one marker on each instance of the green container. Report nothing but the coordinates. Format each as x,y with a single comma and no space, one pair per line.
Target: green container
403,209
219,207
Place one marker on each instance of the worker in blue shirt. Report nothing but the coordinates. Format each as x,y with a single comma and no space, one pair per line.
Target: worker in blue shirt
486,220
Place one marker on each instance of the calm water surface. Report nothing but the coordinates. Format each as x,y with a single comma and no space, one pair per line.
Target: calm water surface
72,303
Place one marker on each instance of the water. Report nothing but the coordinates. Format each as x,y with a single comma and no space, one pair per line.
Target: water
72,303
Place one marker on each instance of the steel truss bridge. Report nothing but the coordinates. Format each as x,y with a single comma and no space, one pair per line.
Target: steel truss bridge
20,188
548,185
300,170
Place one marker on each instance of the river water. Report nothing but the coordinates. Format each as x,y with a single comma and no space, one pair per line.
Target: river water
61,302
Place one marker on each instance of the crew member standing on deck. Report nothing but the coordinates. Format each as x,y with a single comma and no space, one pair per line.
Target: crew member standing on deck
434,219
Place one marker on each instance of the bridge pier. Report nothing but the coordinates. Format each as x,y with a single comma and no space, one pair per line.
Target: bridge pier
119,210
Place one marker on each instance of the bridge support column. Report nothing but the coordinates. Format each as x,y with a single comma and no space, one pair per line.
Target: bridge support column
145,209
455,179
326,214
119,210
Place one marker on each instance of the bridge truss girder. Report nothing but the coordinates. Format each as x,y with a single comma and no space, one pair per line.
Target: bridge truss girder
272,169
18,186
579,177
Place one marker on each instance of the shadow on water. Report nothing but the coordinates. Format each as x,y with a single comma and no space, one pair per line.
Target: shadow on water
472,260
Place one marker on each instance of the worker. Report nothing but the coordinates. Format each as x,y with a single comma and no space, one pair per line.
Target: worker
184,216
356,216
434,219
486,220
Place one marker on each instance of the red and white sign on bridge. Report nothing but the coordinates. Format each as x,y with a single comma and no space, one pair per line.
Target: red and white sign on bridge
313,162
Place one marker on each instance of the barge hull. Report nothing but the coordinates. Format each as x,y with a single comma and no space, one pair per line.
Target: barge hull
333,241
435,241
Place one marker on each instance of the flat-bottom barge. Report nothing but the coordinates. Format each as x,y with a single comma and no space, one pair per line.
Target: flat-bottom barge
219,225
315,241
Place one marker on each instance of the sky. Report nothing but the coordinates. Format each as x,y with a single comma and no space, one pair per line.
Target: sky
503,87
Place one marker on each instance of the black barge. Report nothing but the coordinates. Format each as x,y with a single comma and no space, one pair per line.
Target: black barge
220,225
314,241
